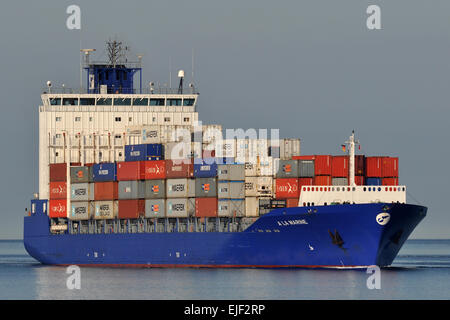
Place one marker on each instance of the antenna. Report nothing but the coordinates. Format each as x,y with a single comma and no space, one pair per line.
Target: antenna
181,76
170,72
192,75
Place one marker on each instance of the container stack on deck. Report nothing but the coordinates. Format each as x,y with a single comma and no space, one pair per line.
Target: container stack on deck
237,178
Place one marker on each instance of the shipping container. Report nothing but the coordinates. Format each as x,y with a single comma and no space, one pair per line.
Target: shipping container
208,154
258,186
231,189
155,208
264,167
322,180
284,149
205,187
339,181
131,190
58,190
305,182
373,167
252,206
339,166
134,170
286,188
389,182
180,207
182,150
131,209
106,209
250,169
205,207
58,172
225,148
306,168
80,174
81,210
231,208
82,192
389,167
286,168
309,157
151,134
360,165
155,169
143,152
179,169
108,190
102,172
234,172
155,189
180,188
372,181
57,208
322,165
291,202
205,168
359,180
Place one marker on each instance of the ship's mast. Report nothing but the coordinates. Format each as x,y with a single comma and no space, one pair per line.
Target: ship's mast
352,142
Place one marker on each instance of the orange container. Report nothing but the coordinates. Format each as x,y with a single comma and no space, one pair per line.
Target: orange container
322,165
287,188
58,172
292,202
131,209
322,180
155,169
58,190
339,166
106,190
133,170
205,207
57,208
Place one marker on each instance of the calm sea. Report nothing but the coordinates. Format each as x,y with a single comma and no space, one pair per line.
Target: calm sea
421,271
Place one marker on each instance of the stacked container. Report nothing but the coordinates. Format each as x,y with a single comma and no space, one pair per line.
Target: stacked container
286,180
389,171
339,170
82,193
231,190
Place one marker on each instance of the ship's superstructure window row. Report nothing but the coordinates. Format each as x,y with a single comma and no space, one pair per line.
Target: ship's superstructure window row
122,101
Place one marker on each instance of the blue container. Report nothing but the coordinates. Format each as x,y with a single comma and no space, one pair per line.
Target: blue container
143,152
205,168
373,181
229,160
102,172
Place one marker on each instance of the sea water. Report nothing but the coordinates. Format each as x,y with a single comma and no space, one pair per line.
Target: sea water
420,271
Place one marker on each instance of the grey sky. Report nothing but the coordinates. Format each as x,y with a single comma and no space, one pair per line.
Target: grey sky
310,68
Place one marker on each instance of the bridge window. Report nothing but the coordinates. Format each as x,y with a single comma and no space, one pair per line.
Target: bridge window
55,101
140,102
87,101
188,102
104,101
70,101
157,102
174,102
118,119
122,102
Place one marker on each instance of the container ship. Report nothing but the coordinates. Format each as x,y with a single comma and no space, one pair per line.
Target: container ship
129,177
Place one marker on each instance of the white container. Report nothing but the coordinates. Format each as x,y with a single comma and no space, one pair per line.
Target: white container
180,188
231,208
251,206
182,150
226,148
211,133
106,209
180,207
234,172
258,186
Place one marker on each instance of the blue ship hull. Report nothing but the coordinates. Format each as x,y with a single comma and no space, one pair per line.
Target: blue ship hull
321,236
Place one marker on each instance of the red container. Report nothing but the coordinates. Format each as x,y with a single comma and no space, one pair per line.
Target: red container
58,190
131,209
286,188
179,169
360,165
303,157
305,181
292,202
205,207
208,154
389,181
106,190
359,180
322,165
58,172
155,169
389,167
322,180
339,166
133,170
373,167
57,208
